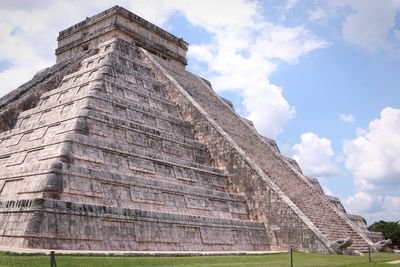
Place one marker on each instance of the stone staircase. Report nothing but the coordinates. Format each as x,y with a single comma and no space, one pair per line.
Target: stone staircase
329,221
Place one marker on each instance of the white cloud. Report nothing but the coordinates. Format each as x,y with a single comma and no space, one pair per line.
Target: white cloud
17,47
369,25
28,35
267,108
346,117
374,156
285,44
374,207
315,155
317,14
361,202
242,58
210,14
397,35
290,4
391,208
374,160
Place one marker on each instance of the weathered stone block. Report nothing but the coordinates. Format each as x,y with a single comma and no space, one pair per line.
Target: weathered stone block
117,149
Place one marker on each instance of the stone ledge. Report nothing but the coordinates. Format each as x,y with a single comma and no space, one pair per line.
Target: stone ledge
135,180
109,212
138,153
120,10
31,251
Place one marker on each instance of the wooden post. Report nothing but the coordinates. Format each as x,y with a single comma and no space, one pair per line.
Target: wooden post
291,257
369,254
52,259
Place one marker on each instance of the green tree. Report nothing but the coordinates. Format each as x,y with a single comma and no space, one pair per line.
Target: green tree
388,229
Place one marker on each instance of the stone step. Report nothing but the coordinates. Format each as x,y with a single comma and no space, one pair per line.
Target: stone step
149,117
130,99
107,226
86,75
97,122
27,137
35,136
19,154
129,95
152,112
125,68
95,150
131,63
323,224
56,111
146,138
149,193
26,134
149,88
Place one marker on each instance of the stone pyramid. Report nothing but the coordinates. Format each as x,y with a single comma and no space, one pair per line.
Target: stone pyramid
118,147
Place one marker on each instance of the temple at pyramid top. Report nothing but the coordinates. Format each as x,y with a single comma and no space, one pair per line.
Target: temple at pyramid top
118,22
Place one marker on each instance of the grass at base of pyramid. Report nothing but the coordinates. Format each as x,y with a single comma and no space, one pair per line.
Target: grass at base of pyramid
299,258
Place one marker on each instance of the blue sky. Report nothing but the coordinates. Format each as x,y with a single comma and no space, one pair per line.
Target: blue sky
320,77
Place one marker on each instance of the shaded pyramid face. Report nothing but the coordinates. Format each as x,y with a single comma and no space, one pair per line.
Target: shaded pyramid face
132,152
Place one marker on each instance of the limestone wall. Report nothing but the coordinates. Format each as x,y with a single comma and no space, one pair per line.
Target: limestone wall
51,224
114,166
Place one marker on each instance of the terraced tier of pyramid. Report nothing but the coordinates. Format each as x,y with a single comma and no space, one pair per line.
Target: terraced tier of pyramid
118,147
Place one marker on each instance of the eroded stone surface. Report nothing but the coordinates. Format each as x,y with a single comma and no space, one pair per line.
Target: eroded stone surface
384,245
105,161
129,151
340,245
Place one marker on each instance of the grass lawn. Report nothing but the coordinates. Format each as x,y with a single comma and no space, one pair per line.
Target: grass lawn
300,259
